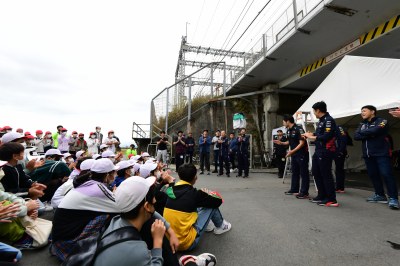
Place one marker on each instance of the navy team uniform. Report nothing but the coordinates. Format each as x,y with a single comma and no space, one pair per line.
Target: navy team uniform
243,155
280,155
223,156
325,149
340,157
300,161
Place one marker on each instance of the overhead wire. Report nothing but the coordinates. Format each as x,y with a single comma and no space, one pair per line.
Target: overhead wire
198,19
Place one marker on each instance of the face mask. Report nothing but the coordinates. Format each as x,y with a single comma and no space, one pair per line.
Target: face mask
158,175
111,135
81,138
49,135
39,136
98,130
93,136
23,144
63,133
8,131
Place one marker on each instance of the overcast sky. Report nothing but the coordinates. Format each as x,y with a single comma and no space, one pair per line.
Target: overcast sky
87,63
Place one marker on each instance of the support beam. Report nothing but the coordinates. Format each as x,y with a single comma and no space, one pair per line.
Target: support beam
212,51
201,64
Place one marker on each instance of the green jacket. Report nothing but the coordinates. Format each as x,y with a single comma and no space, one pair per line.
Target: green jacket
131,151
55,140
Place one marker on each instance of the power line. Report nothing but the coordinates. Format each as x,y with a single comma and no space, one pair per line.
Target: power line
198,19
209,24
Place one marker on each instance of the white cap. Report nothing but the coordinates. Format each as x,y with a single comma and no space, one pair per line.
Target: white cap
67,154
135,158
79,153
152,159
102,146
95,156
2,163
103,165
131,192
125,164
53,152
145,154
107,154
8,137
136,167
146,168
87,164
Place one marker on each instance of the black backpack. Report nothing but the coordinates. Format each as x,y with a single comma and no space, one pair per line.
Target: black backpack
88,249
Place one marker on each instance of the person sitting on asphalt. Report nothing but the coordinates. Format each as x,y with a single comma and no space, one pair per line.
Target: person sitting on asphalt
53,173
189,210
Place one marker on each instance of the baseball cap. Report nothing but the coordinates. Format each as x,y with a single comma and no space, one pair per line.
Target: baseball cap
7,128
111,131
39,132
19,130
135,158
65,155
53,152
125,164
29,137
11,136
136,167
48,132
79,153
73,132
132,192
92,133
103,165
107,154
146,168
102,146
145,154
81,134
95,156
87,164
64,129
27,133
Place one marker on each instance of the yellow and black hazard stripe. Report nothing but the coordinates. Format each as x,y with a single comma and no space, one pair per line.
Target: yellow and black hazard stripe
381,29
312,67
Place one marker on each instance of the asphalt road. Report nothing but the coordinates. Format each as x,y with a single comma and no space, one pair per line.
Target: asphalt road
270,228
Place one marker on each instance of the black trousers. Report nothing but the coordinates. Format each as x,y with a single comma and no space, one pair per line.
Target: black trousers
205,159
280,162
232,158
339,171
243,163
170,259
189,157
179,160
322,172
223,160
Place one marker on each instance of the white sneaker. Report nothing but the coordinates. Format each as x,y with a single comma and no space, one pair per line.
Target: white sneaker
206,259
226,226
210,226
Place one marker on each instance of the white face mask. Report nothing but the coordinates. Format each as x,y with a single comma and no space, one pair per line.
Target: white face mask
98,130
93,136
63,133
23,144
39,136
49,135
111,136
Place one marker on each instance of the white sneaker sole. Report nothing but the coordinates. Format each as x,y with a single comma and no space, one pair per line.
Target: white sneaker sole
217,232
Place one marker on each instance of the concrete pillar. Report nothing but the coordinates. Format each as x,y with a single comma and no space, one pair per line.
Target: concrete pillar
271,105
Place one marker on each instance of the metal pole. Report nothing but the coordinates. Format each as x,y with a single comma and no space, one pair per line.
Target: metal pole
296,22
166,113
151,119
226,115
264,46
189,128
212,81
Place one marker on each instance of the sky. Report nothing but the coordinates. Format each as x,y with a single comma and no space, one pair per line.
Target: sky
86,63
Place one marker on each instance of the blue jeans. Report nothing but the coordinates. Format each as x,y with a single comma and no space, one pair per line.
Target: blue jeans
9,253
377,168
203,218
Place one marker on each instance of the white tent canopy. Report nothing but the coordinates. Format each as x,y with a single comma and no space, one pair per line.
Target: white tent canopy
355,82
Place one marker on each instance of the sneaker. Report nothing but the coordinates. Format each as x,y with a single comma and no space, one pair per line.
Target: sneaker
316,200
377,199
290,192
328,203
393,204
225,227
302,196
208,173
205,259
235,170
340,191
215,171
238,176
210,226
201,172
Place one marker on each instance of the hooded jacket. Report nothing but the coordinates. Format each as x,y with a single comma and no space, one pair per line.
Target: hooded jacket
181,210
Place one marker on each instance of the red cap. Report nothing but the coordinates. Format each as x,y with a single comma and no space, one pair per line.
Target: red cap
29,137
111,131
20,130
1,129
74,132
27,133
39,132
48,132
64,129
7,128
81,134
92,133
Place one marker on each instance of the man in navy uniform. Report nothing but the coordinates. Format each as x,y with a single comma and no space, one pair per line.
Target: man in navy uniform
340,157
325,149
373,132
300,158
243,142
280,150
